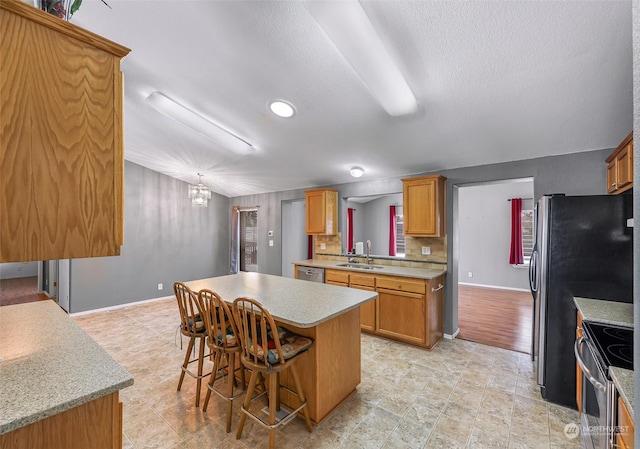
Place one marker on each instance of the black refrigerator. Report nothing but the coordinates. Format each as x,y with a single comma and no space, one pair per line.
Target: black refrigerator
583,248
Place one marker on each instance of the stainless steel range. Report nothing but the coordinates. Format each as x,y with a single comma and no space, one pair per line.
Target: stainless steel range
602,346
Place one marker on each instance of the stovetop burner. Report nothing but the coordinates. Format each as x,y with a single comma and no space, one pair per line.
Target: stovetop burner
614,343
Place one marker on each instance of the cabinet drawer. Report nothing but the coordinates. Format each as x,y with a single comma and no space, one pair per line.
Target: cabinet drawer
362,280
402,284
337,276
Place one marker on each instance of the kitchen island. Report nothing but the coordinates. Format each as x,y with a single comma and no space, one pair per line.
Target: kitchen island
330,370
58,387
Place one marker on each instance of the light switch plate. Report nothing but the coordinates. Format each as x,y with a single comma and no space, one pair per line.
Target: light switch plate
270,242
159,286
323,246
426,250
630,223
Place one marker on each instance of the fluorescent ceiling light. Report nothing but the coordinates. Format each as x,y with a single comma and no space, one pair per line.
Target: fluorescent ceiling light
198,123
346,24
356,172
282,108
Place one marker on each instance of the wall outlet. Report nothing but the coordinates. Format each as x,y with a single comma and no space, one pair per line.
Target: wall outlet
159,286
426,250
323,246
470,274
270,242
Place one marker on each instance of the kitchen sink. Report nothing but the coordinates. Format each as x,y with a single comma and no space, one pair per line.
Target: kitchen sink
362,266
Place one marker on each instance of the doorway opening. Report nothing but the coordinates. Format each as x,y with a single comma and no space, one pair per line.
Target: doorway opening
249,240
495,306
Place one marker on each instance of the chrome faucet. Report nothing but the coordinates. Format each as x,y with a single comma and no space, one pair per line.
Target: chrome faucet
369,259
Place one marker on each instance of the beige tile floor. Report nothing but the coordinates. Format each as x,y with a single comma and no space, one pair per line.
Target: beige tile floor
460,394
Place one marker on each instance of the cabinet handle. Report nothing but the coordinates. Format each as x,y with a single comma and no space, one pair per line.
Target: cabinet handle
440,287
613,184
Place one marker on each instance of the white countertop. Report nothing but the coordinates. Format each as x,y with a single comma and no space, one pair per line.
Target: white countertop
390,270
290,301
608,312
50,365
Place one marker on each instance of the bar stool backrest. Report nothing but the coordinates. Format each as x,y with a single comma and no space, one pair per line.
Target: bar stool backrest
190,321
258,334
218,320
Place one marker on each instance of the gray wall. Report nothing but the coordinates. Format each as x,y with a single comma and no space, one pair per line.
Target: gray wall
376,222
14,270
636,206
165,240
484,234
574,174
295,246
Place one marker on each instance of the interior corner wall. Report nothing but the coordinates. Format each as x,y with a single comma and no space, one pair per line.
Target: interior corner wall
165,240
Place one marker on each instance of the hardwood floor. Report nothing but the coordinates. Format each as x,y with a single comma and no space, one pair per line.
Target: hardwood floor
19,291
495,317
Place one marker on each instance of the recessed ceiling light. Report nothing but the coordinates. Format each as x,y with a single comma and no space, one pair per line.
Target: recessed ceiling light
282,109
356,172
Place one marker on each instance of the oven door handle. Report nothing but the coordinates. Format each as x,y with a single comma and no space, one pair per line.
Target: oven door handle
576,349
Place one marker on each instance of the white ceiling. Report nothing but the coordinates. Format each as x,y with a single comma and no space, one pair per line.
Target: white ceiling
496,81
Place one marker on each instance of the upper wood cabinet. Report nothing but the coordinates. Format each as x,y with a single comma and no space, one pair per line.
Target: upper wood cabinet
620,167
424,206
61,139
322,211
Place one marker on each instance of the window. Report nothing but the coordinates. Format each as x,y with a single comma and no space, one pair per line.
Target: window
249,240
527,234
400,240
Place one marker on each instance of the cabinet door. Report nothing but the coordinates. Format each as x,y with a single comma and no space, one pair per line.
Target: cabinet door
316,212
424,206
339,276
611,177
61,141
367,312
401,315
435,311
624,166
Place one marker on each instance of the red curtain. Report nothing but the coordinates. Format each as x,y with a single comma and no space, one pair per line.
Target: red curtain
516,254
392,230
350,229
310,247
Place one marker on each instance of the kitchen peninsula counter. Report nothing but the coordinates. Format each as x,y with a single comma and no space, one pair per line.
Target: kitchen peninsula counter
389,270
50,367
330,370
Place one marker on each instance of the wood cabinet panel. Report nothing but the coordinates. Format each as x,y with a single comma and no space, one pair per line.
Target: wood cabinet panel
339,276
401,316
321,211
362,280
61,148
620,167
625,427
402,284
424,206
96,424
435,311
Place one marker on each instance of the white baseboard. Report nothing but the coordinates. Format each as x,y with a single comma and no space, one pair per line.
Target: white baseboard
451,337
495,286
120,306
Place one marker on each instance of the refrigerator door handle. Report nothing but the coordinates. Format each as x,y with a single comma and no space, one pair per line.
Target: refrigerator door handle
533,271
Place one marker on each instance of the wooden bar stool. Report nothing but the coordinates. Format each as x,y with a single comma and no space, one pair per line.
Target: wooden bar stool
223,342
268,350
191,326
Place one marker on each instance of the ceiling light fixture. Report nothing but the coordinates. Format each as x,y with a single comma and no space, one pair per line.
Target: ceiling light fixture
199,194
198,123
346,24
356,172
282,108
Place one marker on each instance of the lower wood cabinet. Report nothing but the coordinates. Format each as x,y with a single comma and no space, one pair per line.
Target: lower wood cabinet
96,425
410,310
625,428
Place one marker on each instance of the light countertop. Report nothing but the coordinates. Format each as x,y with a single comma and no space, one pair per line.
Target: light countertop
623,380
608,312
290,301
49,365
390,270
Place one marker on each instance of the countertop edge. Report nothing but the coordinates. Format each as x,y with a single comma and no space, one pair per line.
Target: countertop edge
616,313
623,380
324,320
388,270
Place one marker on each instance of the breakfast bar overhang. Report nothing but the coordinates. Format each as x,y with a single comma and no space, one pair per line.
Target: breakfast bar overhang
330,370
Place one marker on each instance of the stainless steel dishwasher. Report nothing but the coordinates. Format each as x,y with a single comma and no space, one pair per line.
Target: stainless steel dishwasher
311,274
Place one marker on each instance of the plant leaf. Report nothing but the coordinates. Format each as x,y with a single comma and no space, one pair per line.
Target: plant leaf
75,6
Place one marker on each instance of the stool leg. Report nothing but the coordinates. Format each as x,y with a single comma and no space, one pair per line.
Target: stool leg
200,364
231,380
305,410
212,379
247,402
192,340
273,406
